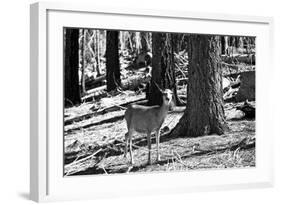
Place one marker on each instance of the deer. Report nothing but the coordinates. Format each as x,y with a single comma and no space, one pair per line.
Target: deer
146,119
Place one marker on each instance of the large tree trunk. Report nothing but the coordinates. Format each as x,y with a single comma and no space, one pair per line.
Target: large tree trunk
204,112
71,67
112,61
163,73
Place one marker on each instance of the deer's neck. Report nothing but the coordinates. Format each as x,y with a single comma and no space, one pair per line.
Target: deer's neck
164,110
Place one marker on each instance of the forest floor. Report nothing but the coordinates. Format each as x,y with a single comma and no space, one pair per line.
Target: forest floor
94,141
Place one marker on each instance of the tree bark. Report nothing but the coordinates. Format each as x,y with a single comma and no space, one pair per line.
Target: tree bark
223,47
98,53
176,38
83,88
144,41
204,112
71,67
112,61
163,73
122,40
236,41
137,41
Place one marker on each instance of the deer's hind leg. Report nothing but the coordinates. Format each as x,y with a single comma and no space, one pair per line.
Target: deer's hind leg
128,142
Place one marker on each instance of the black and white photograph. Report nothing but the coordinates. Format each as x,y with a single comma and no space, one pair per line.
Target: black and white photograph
143,102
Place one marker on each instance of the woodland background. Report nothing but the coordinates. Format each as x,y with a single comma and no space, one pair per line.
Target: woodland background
106,70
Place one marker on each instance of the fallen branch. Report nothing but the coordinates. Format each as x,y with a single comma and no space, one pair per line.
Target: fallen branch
248,59
101,111
79,161
181,71
108,120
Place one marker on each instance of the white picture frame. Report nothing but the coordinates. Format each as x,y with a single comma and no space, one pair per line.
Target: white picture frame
46,178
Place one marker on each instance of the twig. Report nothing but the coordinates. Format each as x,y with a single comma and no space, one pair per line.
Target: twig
85,158
122,142
129,169
69,101
236,152
104,170
178,158
181,71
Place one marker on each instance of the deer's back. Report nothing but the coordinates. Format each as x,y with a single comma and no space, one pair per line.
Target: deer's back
143,118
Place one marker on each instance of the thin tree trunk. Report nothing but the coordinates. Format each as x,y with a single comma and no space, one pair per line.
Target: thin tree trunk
97,53
176,37
227,44
204,112
83,89
112,61
144,41
71,67
236,41
137,42
130,40
223,47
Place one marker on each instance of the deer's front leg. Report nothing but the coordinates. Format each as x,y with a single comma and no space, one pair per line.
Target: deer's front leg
157,143
131,151
149,147
126,144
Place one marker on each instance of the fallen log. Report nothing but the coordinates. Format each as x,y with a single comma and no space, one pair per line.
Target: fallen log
248,59
248,109
73,167
94,82
108,120
131,83
237,66
83,159
134,82
96,89
102,111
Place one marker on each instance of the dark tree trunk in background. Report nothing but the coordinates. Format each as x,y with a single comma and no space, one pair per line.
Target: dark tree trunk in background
223,47
184,41
163,72
236,41
144,41
112,61
97,56
176,40
71,67
204,112
83,67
